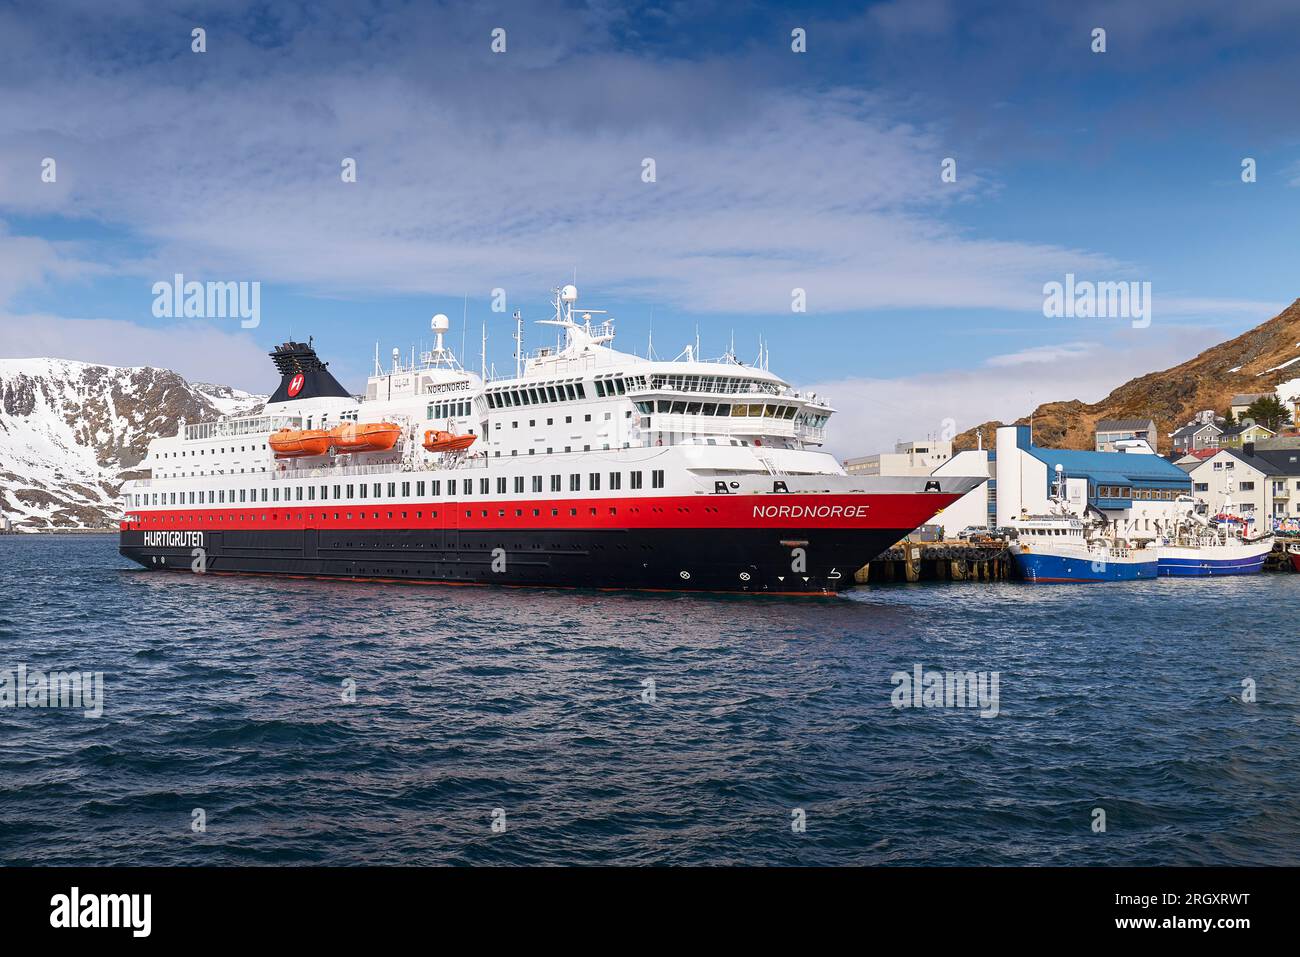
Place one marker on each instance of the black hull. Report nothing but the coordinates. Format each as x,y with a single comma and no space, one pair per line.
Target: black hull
762,561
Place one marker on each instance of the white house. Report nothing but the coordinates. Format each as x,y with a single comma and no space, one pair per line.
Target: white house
908,458
1261,486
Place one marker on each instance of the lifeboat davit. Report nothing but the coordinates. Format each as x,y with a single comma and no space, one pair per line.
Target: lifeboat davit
438,441
294,443
365,436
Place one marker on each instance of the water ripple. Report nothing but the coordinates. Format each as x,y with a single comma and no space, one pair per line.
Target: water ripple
229,695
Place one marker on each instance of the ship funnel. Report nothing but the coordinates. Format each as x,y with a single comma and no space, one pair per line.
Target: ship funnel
302,374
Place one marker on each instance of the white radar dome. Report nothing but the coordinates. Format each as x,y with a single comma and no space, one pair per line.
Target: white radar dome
440,323
569,293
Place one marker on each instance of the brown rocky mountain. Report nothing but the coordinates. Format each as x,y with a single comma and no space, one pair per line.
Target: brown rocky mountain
1256,361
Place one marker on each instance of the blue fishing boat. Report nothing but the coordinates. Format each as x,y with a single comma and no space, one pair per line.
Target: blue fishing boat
1061,548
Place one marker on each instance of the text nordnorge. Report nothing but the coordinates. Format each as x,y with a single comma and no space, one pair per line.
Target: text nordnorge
810,511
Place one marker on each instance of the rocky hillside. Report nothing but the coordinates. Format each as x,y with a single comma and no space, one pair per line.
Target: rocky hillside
1265,359
72,432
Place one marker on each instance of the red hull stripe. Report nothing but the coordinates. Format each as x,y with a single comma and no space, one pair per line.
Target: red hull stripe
778,511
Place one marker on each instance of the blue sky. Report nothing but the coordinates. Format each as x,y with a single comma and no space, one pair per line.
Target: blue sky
775,170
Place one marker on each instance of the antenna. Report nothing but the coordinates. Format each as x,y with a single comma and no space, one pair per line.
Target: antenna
650,343
519,343
483,354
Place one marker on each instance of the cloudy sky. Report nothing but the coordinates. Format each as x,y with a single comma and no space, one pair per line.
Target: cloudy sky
774,170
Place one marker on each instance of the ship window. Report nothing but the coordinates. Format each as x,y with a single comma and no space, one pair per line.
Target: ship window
467,486
618,385
692,408
615,480
678,408
634,479
501,485
575,483
708,408
724,408
435,487
361,490
550,393
555,483
483,486
351,491
568,390
582,393
419,489
657,478
519,484
600,389
337,489
593,481
406,490
451,487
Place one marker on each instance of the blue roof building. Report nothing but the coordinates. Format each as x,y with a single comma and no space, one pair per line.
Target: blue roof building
1135,490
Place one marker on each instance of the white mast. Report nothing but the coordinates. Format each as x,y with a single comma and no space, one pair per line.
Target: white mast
519,343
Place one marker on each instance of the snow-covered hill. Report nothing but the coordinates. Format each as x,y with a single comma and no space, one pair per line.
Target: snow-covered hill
72,432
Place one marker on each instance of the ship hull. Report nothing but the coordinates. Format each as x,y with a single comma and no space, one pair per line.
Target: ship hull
1040,567
1181,562
757,561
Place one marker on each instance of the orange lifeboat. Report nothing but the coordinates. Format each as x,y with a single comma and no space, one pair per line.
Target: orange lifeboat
365,436
295,443
438,441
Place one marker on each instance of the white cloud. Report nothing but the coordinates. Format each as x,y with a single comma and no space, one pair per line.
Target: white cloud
510,172
201,352
873,413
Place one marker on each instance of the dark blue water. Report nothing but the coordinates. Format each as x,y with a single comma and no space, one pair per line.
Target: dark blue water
224,693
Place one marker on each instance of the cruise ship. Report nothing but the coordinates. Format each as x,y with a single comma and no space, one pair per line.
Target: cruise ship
587,468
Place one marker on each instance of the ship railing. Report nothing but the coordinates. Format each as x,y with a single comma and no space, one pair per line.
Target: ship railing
713,388
232,428
725,425
336,470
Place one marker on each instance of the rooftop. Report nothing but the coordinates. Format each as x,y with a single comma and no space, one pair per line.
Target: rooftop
1134,467
1270,461
1124,425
